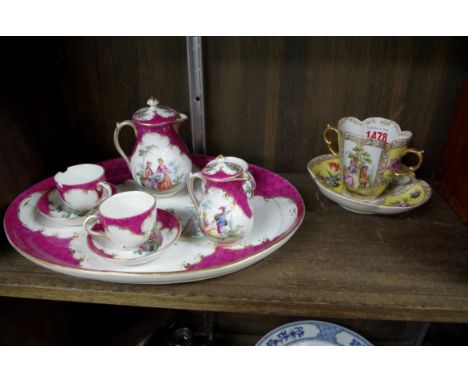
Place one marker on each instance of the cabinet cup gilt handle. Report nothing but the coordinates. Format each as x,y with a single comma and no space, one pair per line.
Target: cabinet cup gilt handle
328,141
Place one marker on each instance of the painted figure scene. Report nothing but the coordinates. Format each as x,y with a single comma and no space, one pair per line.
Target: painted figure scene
153,243
356,174
220,225
159,179
157,176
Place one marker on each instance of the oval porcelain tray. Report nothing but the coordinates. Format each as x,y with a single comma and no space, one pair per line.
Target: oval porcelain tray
278,210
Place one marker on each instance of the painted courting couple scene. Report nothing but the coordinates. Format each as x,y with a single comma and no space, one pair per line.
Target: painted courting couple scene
158,179
356,173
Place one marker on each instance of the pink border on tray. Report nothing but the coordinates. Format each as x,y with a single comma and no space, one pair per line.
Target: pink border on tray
56,251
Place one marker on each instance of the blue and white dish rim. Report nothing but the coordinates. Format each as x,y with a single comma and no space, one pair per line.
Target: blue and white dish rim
327,332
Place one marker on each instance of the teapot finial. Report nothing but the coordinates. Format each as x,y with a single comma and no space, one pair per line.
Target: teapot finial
152,102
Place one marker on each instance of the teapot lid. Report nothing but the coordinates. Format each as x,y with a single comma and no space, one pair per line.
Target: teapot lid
156,114
219,169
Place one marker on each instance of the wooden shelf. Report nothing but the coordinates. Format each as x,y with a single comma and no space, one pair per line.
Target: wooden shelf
339,264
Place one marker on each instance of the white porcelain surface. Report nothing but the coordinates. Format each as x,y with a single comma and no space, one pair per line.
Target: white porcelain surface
384,129
79,174
82,200
240,162
127,204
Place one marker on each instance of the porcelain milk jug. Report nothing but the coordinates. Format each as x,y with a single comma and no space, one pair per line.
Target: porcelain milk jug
224,209
160,161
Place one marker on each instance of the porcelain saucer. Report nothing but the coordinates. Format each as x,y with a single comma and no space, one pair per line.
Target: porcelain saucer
52,207
167,232
312,333
403,194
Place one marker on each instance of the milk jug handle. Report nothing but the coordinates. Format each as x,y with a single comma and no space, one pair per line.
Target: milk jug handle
116,140
191,190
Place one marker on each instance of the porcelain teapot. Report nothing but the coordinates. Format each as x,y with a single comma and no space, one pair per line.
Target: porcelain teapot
160,161
224,209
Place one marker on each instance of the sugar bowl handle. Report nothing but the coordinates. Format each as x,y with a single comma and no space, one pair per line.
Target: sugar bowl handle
191,190
116,140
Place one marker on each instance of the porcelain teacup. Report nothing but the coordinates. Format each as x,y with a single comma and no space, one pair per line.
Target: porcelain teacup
370,152
128,219
82,187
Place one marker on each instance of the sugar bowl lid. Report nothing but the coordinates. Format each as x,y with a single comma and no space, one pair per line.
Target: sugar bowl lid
155,114
219,169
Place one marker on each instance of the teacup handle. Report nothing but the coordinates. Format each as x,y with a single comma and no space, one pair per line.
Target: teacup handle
191,190
328,141
116,140
106,190
88,219
419,154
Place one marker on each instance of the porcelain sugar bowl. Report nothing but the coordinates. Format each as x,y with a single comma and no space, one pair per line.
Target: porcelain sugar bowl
160,161
224,208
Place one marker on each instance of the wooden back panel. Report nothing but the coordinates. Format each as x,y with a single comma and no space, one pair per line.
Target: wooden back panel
30,119
104,80
269,99
452,181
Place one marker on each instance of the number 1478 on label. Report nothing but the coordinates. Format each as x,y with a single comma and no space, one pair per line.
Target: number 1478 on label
377,135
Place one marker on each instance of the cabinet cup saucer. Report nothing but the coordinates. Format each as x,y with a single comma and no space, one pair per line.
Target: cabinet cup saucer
402,195
51,206
166,233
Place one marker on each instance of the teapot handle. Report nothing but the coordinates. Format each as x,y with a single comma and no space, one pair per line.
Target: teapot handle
190,189
116,140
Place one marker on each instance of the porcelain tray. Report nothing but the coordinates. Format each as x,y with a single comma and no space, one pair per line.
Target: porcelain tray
278,210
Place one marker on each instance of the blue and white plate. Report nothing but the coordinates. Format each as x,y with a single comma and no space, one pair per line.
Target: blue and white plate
312,333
